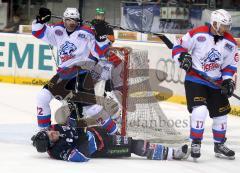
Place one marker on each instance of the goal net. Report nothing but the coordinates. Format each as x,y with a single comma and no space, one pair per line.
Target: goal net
142,116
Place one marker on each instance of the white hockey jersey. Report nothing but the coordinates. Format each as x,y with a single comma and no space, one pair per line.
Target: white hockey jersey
73,49
218,61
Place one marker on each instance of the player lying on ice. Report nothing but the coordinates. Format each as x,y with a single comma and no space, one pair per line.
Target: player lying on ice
79,145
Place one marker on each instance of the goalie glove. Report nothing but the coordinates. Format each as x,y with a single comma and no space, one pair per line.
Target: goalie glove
101,29
44,15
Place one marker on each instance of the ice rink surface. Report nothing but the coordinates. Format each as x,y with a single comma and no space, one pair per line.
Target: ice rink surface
18,124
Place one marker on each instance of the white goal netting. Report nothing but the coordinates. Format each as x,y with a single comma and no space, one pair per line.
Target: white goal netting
142,115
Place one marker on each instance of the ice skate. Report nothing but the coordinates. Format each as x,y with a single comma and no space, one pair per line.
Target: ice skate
181,153
222,151
196,149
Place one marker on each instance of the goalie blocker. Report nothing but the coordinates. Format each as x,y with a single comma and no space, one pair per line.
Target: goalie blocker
77,145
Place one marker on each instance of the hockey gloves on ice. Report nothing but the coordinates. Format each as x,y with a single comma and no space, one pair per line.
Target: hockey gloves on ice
228,86
44,15
101,29
185,61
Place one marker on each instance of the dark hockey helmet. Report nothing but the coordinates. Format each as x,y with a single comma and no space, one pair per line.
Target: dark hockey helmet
41,141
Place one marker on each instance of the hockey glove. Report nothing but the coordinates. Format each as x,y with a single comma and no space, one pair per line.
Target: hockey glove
185,61
101,29
43,16
228,86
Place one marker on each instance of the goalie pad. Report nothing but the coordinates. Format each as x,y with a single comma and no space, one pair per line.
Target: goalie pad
93,115
109,104
63,89
61,115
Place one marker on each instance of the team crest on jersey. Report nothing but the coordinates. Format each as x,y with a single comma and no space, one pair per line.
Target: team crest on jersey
201,38
81,35
228,47
66,51
58,32
212,61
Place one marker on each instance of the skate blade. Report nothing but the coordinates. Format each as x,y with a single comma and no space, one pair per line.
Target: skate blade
221,156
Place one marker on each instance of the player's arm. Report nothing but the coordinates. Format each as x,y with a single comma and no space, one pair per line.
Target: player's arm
228,69
63,151
72,155
40,29
180,51
229,66
110,35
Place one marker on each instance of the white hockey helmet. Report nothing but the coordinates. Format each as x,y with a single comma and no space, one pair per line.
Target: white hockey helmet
222,17
72,13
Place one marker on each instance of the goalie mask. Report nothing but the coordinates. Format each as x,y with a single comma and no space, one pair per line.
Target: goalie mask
41,141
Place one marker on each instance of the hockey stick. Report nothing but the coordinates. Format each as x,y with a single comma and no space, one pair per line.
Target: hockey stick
163,37
57,17
209,79
60,17
54,57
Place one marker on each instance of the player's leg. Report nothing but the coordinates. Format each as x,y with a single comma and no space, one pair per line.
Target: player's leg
57,88
43,99
157,151
43,108
196,95
111,146
219,107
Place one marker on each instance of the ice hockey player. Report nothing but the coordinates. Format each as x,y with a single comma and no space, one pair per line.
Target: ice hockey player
109,63
78,145
210,51
75,43
103,30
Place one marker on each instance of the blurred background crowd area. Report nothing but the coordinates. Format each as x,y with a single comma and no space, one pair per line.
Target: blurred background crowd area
164,16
